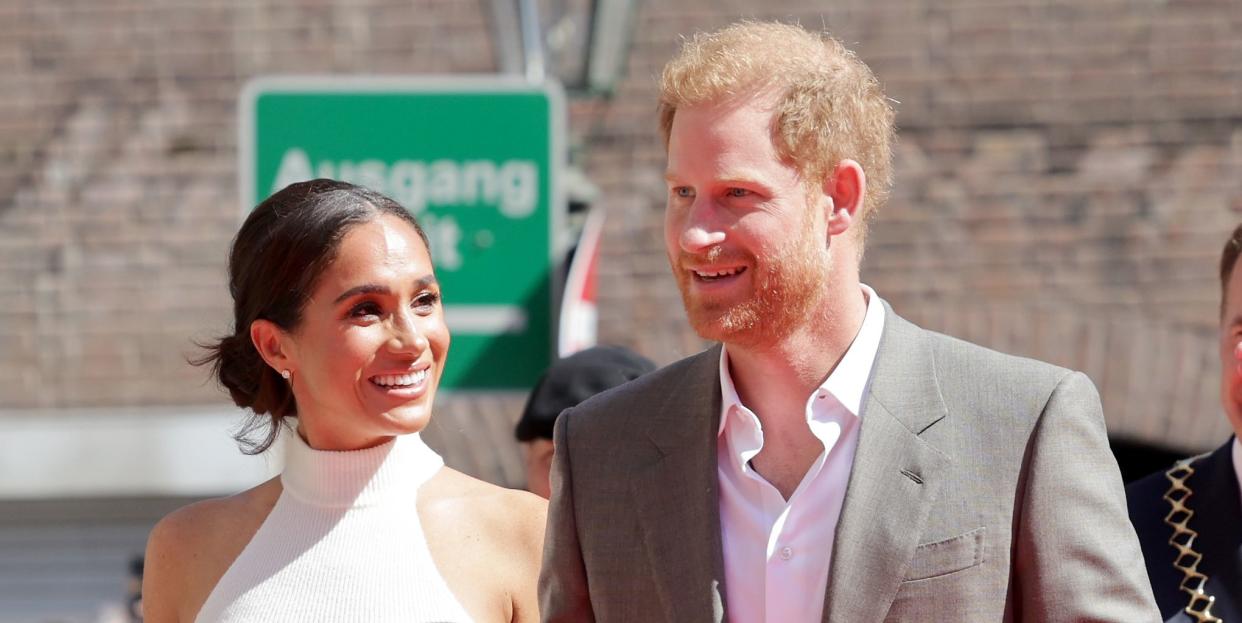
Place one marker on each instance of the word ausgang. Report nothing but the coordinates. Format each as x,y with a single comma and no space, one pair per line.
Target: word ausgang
512,186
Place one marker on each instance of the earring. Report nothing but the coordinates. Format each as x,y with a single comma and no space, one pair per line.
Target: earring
286,374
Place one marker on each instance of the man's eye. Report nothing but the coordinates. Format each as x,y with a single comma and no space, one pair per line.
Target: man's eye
683,191
737,192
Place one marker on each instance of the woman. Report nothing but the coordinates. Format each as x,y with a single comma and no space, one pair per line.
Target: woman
338,321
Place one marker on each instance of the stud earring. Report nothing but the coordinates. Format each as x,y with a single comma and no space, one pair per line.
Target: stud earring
286,374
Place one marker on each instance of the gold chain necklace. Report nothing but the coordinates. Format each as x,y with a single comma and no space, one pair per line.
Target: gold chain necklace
1194,582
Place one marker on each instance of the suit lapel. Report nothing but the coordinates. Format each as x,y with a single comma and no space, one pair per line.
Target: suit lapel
894,479
676,496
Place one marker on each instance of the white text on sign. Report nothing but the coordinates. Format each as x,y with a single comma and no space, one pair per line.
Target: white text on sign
512,186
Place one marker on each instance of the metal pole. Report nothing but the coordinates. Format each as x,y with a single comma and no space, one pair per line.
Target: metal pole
506,36
532,41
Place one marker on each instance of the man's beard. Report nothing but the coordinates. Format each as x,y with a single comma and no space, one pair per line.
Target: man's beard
787,286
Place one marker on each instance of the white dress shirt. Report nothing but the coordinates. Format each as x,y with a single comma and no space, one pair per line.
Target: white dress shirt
777,552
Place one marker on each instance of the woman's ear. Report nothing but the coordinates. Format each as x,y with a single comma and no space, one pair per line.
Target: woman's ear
273,344
847,187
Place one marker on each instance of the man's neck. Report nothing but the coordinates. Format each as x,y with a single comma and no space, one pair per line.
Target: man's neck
774,380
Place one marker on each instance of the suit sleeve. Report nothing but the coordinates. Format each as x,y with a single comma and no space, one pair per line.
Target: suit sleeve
1076,554
563,593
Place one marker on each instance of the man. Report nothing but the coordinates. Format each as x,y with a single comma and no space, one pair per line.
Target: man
1189,518
828,461
566,383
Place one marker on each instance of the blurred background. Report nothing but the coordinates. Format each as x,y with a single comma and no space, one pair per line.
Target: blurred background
1066,176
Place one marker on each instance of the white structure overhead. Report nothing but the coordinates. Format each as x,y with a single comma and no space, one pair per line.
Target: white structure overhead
147,451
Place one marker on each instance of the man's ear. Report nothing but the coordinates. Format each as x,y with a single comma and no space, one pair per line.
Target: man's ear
273,344
847,187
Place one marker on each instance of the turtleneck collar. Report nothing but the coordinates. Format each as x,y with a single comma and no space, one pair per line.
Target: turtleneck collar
357,478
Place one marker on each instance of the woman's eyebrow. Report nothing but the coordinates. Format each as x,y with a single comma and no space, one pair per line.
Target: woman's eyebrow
373,288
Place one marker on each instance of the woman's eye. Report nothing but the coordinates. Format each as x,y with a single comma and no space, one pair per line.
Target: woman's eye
426,300
363,310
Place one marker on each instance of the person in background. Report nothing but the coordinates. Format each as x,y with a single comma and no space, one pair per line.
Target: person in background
1189,518
130,609
826,460
566,383
338,321
133,599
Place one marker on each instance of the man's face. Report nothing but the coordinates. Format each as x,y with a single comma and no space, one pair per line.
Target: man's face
746,242
1230,340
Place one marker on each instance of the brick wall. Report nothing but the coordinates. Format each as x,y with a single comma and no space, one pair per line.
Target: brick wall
1066,175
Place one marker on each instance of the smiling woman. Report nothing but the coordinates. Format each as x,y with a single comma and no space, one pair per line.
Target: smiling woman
339,323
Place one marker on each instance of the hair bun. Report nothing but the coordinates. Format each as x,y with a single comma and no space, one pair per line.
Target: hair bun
239,368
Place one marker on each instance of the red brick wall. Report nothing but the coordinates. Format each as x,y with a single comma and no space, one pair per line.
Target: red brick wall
1066,175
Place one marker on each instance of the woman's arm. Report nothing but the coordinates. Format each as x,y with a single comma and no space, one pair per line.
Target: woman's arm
163,576
190,549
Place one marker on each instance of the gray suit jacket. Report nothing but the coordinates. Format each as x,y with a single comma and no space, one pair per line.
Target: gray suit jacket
982,490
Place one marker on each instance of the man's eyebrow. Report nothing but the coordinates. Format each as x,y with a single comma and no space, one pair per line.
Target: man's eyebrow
742,176
742,180
730,177
372,288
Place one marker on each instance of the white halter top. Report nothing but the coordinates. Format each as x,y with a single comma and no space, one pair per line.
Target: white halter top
343,543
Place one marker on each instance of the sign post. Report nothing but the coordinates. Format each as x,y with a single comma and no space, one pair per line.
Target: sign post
476,160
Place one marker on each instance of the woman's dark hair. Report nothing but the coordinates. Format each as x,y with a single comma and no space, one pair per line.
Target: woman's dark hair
275,262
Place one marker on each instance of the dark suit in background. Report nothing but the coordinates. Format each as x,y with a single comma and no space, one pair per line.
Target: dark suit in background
1218,521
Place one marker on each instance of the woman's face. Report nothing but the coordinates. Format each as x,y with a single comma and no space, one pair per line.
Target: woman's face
370,349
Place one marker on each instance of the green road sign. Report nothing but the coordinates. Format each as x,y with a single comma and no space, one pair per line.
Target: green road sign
476,160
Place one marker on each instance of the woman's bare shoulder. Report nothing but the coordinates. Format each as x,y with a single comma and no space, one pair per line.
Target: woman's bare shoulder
191,548
487,538
508,514
208,522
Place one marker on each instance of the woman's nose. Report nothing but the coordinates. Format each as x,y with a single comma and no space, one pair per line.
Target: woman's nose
405,335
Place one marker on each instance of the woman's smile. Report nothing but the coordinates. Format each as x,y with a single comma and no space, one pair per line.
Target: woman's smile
406,386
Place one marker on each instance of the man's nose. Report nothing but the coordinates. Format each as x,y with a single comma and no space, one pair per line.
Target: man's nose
701,230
